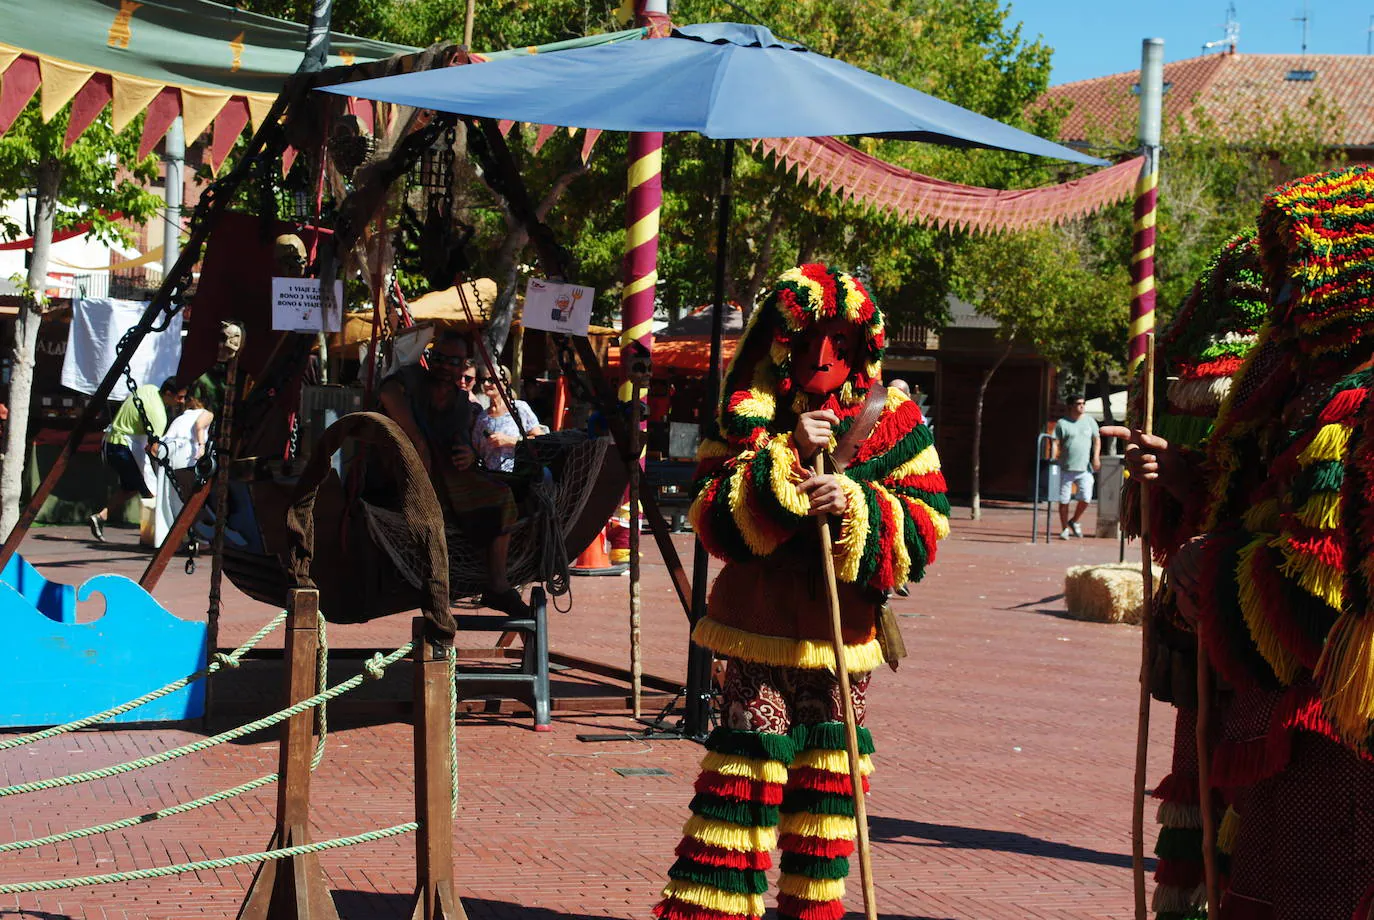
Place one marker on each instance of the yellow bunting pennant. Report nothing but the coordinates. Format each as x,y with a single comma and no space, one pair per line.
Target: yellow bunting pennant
258,108
199,108
131,96
61,81
8,56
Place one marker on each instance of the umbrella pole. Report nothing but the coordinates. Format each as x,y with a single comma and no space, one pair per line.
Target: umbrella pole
699,659
851,726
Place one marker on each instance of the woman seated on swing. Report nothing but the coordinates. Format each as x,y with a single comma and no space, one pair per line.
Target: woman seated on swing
431,407
495,432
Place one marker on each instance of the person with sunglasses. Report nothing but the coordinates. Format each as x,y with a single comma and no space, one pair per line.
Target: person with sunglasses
435,410
494,431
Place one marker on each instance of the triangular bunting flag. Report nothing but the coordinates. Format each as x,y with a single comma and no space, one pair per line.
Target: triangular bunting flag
17,88
504,126
258,108
87,105
288,157
7,56
131,96
162,111
362,108
588,140
545,132
228,126
199,108
61,81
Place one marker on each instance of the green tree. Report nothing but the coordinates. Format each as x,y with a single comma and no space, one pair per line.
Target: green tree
97,180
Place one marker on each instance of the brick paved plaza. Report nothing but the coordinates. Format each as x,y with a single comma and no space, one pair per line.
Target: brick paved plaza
1005,748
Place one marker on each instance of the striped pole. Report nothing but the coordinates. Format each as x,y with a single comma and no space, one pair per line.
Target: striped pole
1146,200
644,199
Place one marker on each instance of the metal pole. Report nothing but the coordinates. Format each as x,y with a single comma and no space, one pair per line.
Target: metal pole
1146,198
699,659
174,158
636,453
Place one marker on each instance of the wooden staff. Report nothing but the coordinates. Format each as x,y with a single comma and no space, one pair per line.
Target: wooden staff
851,729
1204,777
636,450
1142,733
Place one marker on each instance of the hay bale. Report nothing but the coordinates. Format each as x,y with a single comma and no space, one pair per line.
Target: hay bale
1111,593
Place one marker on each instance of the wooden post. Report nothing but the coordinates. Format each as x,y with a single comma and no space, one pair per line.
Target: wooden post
294,888
434,895
1142,729
851,729
224,447
636,452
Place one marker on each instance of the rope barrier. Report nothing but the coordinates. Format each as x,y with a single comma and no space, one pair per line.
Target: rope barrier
373,668
214,797
217,663
223,862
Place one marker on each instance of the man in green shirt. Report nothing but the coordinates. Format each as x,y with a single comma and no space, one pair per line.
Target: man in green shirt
1078,449
128,431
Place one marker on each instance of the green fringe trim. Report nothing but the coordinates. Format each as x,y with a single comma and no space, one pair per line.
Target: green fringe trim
754,745
817,803
737,881
814,866
828,736
1188,430
745,814
1179,843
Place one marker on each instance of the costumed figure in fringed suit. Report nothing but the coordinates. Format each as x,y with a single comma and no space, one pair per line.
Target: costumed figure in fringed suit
1199,353
1277,584
805,375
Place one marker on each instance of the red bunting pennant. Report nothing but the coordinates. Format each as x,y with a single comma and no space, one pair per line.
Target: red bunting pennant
545,132
161,112
17,87
229,124
87,105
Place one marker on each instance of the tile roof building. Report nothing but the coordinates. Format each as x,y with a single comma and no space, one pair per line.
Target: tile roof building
1234,89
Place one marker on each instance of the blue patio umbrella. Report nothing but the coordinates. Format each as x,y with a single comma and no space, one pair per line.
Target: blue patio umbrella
721,79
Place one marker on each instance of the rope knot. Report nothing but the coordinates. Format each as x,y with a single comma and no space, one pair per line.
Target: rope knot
224,660
375,666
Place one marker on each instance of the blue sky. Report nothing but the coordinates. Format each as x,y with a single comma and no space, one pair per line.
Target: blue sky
1091,38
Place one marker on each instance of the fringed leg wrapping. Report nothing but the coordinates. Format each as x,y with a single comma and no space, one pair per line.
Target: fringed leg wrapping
1180,892
817,827
719,872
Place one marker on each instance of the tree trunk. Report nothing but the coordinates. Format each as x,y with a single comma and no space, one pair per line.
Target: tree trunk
976,510
761,263
25,345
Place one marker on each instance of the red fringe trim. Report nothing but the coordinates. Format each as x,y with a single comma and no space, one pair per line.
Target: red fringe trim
1180,873
700,852
1343,405
822,781
815,846
890,533
802,909
739,788
673,909
1247,762
1220,367
1179,788
1264,571
926,482
892,427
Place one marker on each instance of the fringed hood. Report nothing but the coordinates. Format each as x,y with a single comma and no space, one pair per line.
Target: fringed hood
759,379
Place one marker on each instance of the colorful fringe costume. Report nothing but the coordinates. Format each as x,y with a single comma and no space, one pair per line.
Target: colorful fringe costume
776,772
1284,608
1198,354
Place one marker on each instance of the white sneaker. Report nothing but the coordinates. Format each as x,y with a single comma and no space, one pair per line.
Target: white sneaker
1066,534
1077,530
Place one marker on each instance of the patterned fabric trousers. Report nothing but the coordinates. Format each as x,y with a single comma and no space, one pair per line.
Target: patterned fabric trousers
775,774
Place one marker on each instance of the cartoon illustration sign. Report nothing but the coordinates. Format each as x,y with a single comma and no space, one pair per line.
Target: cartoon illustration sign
556,307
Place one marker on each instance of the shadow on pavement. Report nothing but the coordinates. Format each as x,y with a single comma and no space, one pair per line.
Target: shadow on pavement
915,833
371,905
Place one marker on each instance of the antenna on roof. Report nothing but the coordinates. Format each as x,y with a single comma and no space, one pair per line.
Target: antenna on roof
1305,19
1369,37
1231,37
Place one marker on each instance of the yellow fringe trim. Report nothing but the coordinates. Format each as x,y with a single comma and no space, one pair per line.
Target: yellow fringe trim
1329,444
712,898
1346,672
785,477
927,461
940,521
1252,608
1322,510
1168,899
826,827
730,836
781,651
1262,517
1230,827
745,520
832,761
812,889
1317,578
760,403
711,449
849,548
768,771
901,564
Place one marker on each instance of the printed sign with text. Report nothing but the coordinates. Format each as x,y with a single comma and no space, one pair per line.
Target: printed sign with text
556,307
296,306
